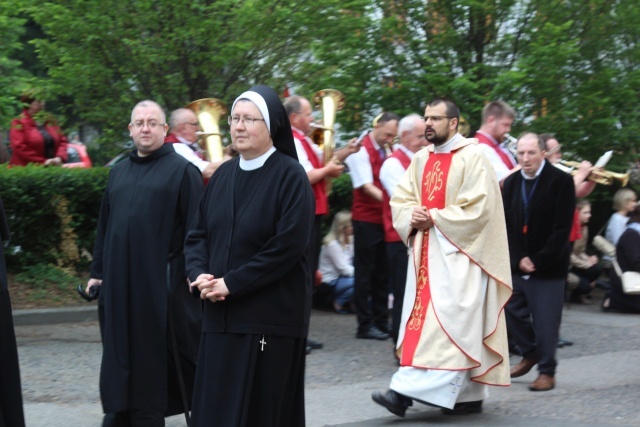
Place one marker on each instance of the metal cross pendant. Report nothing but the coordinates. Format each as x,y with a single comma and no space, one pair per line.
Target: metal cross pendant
263,343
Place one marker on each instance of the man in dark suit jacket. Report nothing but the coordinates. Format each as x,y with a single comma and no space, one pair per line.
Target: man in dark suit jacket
11,414
539,202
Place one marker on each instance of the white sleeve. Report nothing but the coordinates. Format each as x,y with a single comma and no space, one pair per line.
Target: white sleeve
190,155
360,168
499,167
390,174
615,228
302,155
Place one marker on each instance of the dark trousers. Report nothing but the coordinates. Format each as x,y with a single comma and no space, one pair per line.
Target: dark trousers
371,286
587,276
398,259
315,243
133,419
533,319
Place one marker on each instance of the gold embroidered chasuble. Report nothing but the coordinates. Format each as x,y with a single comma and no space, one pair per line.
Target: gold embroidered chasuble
467,268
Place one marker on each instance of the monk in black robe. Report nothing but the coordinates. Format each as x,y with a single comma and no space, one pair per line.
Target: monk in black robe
247,255
139,263
11,413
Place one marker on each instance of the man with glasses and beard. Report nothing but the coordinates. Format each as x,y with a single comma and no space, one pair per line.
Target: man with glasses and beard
447,207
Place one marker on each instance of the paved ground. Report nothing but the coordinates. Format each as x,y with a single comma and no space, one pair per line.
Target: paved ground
598,379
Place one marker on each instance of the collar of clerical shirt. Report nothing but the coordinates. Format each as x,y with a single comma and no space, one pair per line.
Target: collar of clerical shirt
447,146
257,163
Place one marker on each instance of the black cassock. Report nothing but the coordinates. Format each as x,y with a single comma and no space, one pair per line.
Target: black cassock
11,413
147,207
252,229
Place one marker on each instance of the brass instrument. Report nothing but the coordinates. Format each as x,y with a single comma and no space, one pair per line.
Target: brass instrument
603,177
329,101
209,111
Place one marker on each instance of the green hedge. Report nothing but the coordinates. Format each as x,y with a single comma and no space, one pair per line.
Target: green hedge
52,214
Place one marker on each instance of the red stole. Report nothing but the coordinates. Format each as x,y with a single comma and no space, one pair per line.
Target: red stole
390,233
506,158
320,187
364,208
434,185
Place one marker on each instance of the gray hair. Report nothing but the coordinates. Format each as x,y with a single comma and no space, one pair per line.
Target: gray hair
407,123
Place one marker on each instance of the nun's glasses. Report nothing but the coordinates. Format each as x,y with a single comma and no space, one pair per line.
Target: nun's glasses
248,121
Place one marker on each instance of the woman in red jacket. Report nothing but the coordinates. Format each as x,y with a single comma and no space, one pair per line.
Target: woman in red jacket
33,142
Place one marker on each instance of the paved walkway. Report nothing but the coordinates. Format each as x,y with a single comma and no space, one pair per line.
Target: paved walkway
598,379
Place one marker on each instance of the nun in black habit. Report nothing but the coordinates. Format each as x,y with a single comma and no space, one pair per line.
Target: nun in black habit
246,253
11,413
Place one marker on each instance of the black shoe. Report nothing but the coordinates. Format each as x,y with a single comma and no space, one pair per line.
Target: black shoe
384,327
373,333
464,408
315,345
564,343
395,402
308,349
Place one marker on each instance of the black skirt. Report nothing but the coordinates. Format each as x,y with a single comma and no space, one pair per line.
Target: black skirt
249,381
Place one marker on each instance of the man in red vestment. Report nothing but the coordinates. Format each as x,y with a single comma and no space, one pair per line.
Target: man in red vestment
318,170
497,118
183,125
371,296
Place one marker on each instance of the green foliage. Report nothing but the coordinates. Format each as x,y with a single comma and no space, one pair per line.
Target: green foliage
340,199
46,275
571,68
52,214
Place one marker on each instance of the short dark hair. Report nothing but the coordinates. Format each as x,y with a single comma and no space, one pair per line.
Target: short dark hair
450,107
28,97
384,117
497,109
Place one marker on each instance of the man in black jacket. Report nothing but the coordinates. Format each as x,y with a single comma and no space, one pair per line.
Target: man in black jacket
539,202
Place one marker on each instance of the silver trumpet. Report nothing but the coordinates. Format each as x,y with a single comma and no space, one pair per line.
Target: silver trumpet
510,144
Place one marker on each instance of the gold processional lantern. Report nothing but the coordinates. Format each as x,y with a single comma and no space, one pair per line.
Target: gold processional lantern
209,111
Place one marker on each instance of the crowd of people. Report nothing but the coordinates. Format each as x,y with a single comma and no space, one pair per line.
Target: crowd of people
211,266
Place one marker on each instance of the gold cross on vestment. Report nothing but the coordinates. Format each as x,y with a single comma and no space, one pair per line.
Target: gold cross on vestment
263,343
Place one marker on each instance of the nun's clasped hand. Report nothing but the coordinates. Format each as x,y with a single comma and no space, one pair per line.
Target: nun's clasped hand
211,288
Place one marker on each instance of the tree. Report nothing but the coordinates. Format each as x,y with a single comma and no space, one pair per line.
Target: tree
106,55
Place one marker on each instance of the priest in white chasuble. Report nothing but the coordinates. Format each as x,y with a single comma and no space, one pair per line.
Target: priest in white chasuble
448,209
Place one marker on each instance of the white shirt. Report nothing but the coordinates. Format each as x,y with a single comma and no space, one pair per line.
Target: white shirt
187,152
335,261
501,170
392,170
360,166
302,153
616,226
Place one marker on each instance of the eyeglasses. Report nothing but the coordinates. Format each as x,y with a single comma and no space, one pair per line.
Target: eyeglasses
249,121
152,124
435,118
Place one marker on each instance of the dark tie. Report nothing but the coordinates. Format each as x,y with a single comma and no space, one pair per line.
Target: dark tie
382,152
